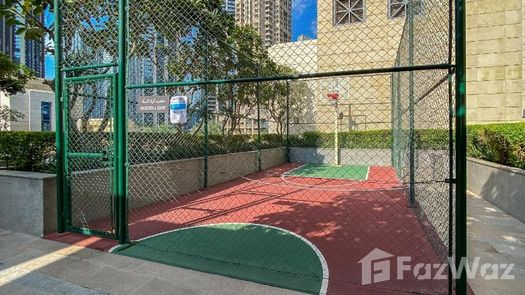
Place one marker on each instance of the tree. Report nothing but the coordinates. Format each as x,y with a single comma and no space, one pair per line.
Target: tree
181,39
13,77
7,116
276,100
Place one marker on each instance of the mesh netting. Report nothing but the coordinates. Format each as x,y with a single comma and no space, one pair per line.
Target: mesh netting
285,163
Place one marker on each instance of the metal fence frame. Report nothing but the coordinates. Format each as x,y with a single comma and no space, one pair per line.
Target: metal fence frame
121,197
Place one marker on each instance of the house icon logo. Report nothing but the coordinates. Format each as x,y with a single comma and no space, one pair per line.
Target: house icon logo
375,267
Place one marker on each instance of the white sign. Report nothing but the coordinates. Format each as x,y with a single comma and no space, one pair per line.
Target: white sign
179,110
154,104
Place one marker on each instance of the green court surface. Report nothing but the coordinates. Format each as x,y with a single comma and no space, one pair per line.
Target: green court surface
257,253
351,172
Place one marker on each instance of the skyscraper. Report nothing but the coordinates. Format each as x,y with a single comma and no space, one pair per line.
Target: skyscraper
28,52
271,18
229,6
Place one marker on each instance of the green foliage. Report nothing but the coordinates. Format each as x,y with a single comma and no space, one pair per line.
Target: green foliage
34,151
432,139
13,77
499,143
426,139
28,151
378,139
8,116
32,27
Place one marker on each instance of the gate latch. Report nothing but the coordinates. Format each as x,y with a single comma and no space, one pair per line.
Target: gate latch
451,180
107,156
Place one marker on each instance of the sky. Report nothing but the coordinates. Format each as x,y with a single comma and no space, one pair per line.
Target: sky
304,22
50,60
304,19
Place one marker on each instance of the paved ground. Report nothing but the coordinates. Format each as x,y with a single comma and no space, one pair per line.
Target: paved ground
30,265
495,237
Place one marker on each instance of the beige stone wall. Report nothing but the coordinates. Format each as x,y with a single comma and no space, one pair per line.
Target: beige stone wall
495,44
369,44
365,101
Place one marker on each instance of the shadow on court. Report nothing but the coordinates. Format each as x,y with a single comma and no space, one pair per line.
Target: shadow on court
345,220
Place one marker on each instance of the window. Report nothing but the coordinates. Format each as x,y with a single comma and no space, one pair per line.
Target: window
349,11
45,111
397,8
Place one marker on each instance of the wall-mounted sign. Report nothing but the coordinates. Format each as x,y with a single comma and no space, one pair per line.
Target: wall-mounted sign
154,104
179,110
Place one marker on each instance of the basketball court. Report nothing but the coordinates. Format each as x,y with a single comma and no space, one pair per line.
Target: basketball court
279,227
309,165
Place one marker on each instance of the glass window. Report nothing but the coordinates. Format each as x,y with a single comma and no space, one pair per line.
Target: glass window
45,111
397,8
349,11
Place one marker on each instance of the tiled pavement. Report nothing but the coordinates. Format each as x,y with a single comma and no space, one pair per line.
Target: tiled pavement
495,237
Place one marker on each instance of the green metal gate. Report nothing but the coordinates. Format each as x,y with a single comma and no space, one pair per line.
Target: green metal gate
89,137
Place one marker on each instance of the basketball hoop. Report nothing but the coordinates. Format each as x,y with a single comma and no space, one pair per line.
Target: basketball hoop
333,95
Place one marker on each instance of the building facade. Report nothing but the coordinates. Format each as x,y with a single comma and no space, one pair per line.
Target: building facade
36,104
373,34
229,6
271,18
495,61
27,52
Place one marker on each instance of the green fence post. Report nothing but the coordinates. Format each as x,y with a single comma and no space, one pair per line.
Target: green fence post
412,131
59,118
205,113
288,159
461,144
451,145
393,121
121,153
206,140
258,99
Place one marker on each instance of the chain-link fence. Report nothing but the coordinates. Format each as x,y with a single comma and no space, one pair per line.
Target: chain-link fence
297,164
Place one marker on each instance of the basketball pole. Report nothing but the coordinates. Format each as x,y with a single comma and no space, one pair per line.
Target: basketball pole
336,133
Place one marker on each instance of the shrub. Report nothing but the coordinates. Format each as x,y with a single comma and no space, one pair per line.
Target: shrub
28,151
35,151
498,143
432,139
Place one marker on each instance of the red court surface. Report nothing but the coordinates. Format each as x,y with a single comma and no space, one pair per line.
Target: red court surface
344,219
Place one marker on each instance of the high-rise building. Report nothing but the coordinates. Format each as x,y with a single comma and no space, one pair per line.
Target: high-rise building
271,18
28,52
229,6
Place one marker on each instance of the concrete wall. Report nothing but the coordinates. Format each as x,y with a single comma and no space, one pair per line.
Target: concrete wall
28,202
365,157
163,181
501,185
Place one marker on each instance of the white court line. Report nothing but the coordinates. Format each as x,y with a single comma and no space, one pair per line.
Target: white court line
324,282
355,182
315,187
294,169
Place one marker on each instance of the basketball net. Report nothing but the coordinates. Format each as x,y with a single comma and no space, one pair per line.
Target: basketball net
333,96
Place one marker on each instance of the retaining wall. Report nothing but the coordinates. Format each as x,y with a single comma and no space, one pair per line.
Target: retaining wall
501,185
